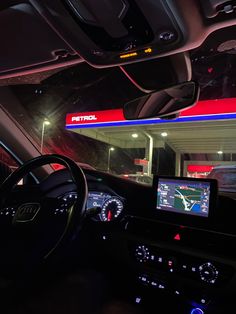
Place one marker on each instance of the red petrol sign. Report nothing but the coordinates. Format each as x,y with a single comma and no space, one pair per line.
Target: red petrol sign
141,162
219,109
95,117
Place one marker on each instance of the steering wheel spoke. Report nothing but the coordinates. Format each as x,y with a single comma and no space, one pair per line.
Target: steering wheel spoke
8,212
34,224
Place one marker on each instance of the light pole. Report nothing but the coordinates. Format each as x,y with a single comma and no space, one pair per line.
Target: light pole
45,122
111,149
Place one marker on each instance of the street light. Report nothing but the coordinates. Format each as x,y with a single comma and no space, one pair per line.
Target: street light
111,149
164,134
45,122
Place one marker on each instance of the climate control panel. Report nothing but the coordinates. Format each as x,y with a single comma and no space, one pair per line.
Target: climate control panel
142,254
189,267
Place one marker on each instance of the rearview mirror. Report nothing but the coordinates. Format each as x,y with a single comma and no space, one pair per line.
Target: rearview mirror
167,103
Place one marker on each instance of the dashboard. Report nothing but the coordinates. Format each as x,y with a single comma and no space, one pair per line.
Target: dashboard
107,206
174,239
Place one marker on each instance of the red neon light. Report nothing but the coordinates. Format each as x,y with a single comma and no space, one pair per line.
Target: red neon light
199,168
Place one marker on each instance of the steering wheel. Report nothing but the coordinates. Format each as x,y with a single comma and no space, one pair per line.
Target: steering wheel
29,229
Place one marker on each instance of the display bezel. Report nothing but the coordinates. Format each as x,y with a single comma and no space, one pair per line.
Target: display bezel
188,219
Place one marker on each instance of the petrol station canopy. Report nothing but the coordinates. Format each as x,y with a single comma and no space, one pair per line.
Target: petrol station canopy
186,134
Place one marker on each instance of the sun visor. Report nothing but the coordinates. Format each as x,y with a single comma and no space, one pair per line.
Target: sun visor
27,40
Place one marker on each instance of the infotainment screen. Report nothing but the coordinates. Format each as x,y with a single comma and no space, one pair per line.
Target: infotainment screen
184,196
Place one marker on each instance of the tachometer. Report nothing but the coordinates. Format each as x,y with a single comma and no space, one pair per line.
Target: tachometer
111,209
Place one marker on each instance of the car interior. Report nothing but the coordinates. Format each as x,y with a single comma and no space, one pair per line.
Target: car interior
95,97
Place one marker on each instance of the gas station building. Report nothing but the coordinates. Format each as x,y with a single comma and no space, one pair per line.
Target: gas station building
207,128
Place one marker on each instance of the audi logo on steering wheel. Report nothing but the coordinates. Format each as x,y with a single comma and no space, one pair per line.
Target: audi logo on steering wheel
27,212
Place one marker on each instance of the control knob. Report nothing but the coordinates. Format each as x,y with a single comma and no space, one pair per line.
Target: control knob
208,273
142,253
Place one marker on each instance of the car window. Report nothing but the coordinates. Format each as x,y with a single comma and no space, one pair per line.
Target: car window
7,164
226,178
78,113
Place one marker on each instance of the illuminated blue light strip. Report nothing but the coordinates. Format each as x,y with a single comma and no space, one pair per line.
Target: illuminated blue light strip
197,311
153,121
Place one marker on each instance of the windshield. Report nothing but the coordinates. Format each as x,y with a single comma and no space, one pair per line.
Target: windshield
49,107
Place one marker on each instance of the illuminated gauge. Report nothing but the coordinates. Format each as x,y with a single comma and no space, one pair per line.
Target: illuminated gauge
111,209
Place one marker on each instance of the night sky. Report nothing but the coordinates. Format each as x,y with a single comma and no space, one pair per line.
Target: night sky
83,88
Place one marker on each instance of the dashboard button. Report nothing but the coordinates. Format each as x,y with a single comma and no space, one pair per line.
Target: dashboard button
142,254
193,269
167,36
152,258
177,292
154,283
184,267
143,279
171,264
208,273
162,286
204,300
138,300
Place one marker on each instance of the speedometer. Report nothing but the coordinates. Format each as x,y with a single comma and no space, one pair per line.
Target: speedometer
111,209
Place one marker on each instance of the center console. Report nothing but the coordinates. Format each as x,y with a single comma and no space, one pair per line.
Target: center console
179,251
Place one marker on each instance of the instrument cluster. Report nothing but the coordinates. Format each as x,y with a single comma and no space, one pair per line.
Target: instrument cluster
109,207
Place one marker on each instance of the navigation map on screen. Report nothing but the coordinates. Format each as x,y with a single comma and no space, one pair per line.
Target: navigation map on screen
182,196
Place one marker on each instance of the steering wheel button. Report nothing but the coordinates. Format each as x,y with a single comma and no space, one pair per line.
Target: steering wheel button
161,286
154,284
